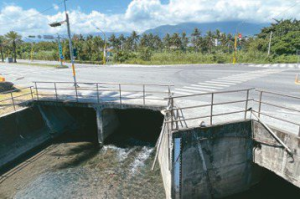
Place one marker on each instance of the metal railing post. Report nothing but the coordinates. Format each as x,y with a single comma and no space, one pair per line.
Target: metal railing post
246,105
31,92
55,91
211,108
177,118
13,101
172,114
36,90
169,91
259,105
98,100
144,95
76,93
299,132
120,91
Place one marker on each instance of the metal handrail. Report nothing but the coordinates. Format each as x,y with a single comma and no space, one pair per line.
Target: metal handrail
212,103
279,94
14,103
95,87
261,102
103,83
209,93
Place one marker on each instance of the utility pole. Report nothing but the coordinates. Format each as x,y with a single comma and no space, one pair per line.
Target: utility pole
269,49
56,24
235,49
104,48
60,50
70,44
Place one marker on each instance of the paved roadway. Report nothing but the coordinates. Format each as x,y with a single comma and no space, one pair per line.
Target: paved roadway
188,79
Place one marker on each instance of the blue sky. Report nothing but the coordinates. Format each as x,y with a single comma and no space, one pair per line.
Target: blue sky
103,6
27,16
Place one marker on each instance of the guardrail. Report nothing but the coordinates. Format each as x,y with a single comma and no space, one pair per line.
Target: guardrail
174,111
285,119
101,92
261,101
13,98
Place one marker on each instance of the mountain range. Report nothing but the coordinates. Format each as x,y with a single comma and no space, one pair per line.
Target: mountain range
247,29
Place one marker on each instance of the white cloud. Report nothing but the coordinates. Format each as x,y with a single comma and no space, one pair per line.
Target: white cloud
55,7
144,14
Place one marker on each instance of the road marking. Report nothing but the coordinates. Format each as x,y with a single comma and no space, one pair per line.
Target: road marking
200,86
189,91
209,84
220,82
193,88
224,82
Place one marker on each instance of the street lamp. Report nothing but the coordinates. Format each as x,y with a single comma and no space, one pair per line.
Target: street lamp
56,24
104,49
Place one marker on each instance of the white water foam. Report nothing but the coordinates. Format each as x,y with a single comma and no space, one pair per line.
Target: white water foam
140,159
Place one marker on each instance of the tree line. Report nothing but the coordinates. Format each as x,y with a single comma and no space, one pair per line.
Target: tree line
285,41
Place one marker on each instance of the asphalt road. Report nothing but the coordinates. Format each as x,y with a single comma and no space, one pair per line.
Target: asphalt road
188,79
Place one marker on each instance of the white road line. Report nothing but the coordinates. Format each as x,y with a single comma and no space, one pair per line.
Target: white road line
198,89
189,91
201,86
210,84
229,80
219,82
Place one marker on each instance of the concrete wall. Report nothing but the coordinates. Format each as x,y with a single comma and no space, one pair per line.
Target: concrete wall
163,159
107,122
24,130
21,132
213,162
270,154
57,119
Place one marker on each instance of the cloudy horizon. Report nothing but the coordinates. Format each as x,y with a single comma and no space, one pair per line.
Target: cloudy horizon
139,15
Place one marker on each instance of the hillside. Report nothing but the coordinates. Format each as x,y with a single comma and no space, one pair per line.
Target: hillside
227,27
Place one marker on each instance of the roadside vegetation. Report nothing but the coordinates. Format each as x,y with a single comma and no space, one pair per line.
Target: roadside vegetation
7,90
179,48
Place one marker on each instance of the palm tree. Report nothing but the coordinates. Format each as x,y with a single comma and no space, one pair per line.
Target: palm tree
122,40
176,40
157,43
167,41
196,39
209,40
14,38
134,37
144,41
114,41
184,41
1,47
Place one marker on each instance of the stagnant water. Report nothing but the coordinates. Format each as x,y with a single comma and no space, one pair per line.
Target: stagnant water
121,169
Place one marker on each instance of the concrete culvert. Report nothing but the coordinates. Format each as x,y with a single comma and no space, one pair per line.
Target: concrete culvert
141,127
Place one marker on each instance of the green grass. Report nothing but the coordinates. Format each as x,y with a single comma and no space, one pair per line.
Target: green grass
170,58
43,65
20,95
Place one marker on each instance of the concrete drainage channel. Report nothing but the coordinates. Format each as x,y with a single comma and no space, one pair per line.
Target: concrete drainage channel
107,151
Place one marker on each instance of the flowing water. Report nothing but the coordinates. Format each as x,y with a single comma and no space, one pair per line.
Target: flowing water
121,169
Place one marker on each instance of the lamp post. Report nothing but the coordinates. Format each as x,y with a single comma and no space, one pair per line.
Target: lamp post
56,24
104,49
60,50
